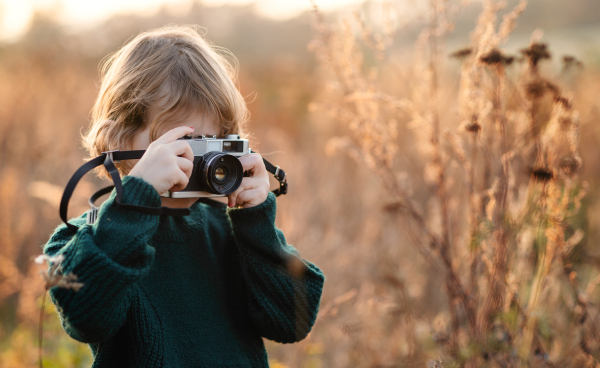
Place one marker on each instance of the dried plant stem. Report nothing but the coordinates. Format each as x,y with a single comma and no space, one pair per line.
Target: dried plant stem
435,132
454,285
550,199
53,277
534,119
411,336
41,330
452,282
535,333
535,132
534,300
473,222
497,283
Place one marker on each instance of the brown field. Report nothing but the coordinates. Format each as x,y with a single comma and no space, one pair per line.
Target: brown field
449,198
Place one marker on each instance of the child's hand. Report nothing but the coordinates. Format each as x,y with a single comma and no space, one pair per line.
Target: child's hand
255,188
167,163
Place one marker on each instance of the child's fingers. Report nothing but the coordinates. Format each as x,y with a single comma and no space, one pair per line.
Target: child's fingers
182,182
185,165
183,149
251,197
173,134
253,162
247,184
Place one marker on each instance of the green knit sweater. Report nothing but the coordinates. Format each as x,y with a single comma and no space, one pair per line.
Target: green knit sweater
194,291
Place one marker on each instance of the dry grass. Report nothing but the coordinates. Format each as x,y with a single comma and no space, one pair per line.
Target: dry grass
450,216
499,186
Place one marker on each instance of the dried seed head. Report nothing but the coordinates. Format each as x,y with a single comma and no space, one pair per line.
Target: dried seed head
492,58
564,121
509,21
570,165
54,276
570,62
553,88
563,101
542,174
536,52
393,206
538,87
462,53
535,89
473,126
496,57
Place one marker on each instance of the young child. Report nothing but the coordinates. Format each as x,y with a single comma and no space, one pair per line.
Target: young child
193,291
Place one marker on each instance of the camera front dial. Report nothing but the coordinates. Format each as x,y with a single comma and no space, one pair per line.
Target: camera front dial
220,173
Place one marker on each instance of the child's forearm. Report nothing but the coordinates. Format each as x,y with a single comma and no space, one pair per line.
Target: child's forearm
284,289
108,257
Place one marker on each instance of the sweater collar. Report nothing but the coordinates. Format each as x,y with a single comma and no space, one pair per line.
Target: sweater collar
180,228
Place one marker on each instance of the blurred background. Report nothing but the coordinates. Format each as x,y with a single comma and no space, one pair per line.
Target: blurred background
49,57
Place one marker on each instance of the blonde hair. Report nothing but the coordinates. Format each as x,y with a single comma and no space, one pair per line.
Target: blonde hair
175,66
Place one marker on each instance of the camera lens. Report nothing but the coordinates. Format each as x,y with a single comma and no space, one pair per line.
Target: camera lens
220,173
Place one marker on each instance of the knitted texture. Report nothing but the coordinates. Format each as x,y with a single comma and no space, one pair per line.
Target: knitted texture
194,291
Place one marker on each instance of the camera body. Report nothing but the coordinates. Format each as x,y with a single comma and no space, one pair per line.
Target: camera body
217,170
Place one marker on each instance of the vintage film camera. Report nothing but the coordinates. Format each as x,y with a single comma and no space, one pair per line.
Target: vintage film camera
217,169
217,172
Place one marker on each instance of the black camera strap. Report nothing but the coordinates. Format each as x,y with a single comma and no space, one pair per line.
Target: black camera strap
107,159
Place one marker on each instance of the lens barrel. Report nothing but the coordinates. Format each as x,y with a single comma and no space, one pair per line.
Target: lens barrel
220,173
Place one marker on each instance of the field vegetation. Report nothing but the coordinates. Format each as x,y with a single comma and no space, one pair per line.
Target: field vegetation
449,195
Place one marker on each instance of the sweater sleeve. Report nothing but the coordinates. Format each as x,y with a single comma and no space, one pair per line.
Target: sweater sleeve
108,257
284,290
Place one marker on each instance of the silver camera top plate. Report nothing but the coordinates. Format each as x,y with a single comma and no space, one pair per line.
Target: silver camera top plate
231,144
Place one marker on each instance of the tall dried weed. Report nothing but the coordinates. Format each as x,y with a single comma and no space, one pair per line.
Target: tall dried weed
501,179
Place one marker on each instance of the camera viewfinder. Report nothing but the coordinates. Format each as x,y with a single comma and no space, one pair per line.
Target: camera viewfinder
233,146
